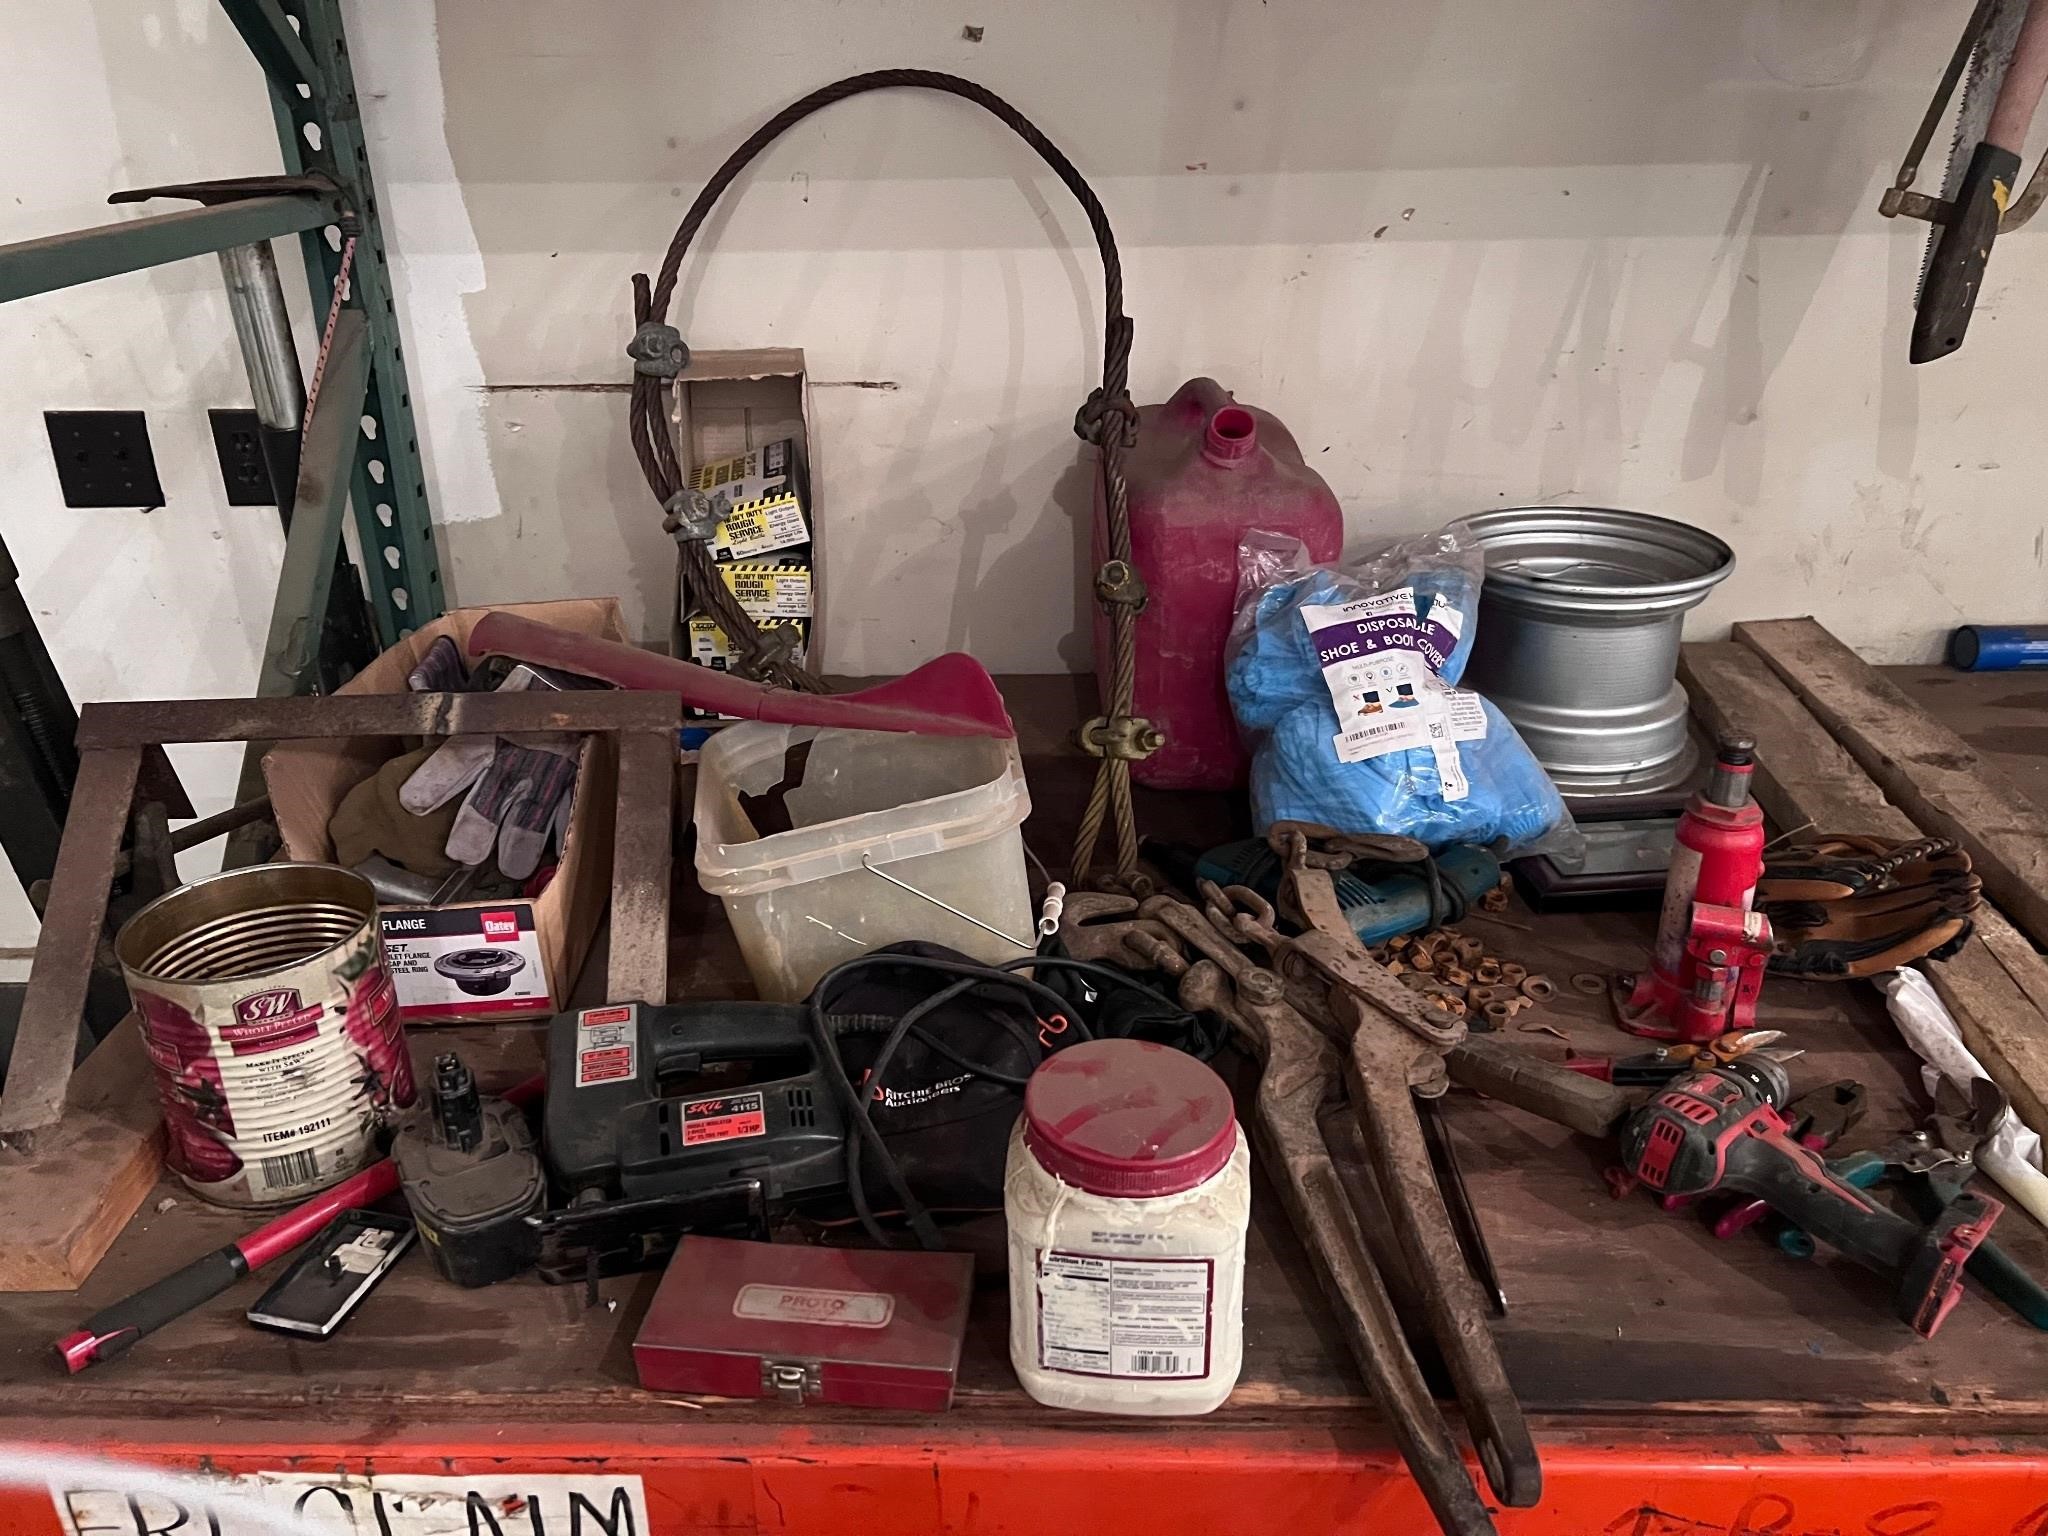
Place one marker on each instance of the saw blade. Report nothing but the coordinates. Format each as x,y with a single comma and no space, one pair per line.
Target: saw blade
1988,62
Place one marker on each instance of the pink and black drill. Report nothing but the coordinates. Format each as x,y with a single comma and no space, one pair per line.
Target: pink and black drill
1722,1130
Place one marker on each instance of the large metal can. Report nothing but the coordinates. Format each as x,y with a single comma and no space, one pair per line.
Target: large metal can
1577,644
270,1018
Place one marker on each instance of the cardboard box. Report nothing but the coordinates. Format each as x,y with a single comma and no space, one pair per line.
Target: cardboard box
552,933
729,403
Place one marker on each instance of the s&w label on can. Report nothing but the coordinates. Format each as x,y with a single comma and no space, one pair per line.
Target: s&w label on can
275,1088
269,1021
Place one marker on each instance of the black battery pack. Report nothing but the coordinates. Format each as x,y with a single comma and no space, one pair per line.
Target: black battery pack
473,1178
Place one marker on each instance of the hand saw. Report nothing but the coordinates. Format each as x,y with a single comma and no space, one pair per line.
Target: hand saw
2004,51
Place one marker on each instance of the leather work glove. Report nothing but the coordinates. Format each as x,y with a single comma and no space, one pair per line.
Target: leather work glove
1845,907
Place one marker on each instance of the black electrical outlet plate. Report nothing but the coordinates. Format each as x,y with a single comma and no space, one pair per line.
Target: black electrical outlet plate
238,442
104,459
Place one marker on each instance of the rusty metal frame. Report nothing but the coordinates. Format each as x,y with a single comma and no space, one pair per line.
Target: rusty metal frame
112,739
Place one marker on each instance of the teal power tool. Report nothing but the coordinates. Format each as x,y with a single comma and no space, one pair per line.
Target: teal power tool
1382,897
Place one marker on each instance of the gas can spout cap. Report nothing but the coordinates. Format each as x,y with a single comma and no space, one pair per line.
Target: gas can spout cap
1232,436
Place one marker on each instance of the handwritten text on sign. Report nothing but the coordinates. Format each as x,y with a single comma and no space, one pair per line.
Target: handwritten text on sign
262,1503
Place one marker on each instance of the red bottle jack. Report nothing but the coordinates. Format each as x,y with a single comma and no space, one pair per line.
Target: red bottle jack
1711,948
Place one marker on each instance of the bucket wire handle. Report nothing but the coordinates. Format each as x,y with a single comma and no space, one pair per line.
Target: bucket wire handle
965,917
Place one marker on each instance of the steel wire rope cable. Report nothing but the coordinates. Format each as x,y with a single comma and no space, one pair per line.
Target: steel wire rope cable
1107,419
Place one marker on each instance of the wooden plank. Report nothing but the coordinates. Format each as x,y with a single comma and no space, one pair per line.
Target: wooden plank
46,1041
1805,777
2002,715
641,858
1927,769
62,1205
2022,962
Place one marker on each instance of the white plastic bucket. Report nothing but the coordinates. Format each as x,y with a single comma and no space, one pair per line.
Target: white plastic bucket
939,814
270,1018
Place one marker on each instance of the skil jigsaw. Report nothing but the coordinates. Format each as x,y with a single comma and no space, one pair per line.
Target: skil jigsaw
702,1117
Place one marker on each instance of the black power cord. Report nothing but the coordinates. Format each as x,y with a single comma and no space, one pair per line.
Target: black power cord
1205,1036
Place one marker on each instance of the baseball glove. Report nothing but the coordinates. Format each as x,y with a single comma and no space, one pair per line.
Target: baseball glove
1843,907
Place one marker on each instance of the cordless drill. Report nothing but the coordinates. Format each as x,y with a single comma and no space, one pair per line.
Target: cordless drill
1721,1129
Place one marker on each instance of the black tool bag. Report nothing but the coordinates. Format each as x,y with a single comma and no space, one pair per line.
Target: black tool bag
936,1050
945,1113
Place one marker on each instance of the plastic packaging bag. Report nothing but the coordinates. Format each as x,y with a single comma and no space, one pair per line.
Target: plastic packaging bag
1342,678
2011,1154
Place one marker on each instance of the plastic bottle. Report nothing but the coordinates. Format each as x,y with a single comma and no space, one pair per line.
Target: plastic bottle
1128,1192
1205,470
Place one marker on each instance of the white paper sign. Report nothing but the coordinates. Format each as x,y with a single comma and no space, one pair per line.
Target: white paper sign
386,1504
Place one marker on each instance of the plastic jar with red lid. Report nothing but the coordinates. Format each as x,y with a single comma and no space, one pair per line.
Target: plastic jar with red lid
1128,1192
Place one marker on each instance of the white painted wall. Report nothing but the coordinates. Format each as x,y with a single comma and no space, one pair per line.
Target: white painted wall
132,604
1475,254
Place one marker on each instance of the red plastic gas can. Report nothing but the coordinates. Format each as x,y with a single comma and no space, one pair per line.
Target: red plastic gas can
1205,470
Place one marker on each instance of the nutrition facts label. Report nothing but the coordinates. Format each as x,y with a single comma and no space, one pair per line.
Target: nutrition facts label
1146,1319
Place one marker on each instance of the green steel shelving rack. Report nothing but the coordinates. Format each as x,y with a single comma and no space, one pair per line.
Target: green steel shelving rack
362,447
359,447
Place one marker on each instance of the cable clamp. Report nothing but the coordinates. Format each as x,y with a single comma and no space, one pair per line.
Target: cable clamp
1118,585
658,350
772,652
690,517
1098,410
1131,737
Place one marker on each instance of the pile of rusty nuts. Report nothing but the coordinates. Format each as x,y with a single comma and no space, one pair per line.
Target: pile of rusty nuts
1452,971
